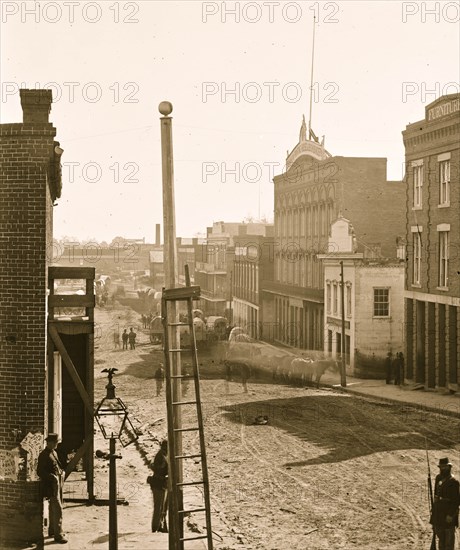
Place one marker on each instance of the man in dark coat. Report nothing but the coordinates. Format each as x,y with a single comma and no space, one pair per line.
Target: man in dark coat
124,338
132,339
159,484
396,369
159,378
444,516
50,472
401,366
388,367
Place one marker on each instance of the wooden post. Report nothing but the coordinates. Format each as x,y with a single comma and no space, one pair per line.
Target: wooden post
171,281
113,527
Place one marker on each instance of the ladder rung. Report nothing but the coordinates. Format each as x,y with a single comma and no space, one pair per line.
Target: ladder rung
179,325
184,402
195,538
181,293
177,350
186,429
182,376
192,510
190,483
187,456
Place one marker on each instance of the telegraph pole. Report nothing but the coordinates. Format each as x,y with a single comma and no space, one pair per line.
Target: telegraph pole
171,281
343,371
311,77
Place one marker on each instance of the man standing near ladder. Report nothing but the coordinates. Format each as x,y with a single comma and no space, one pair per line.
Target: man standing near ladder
159,484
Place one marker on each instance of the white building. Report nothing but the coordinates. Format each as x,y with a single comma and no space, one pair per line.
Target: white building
373,303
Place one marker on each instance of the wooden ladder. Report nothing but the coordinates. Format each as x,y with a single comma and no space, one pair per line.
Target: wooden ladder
178,455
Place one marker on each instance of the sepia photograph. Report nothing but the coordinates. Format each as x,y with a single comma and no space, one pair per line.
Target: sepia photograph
230,275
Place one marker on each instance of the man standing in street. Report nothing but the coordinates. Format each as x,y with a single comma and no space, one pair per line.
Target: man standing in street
132,339
159,378
116,339
124,338
159,484
50,472
444,516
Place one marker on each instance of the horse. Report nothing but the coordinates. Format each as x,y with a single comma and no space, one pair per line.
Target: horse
300,370
314,369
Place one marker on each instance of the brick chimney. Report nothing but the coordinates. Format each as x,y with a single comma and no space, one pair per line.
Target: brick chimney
36,105
157,235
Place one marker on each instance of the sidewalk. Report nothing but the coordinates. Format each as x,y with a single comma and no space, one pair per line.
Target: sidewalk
407,395
86,526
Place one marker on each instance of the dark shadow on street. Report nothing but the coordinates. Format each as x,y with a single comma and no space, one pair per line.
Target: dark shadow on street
347,427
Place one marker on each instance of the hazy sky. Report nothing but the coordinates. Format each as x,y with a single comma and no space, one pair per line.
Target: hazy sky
239,83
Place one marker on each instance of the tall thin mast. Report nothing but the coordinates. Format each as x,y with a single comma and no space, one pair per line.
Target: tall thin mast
311,79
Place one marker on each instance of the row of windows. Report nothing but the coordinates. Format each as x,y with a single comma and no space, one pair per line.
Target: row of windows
418,175
306,272
302,222
381,303
246,276
442,260
334,299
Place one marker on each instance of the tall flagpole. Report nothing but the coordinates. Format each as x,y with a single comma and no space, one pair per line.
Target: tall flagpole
311,77
171,281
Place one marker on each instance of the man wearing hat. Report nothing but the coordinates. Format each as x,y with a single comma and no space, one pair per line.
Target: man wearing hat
444,516
159,484
50,470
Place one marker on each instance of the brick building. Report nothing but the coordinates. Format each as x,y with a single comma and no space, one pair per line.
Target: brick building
315,188
373,303
188,249
30,183
214,265
253,264
432,295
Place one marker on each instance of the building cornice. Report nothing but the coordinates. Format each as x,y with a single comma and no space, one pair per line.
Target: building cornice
434,298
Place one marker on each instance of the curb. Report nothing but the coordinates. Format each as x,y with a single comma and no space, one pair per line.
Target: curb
403,403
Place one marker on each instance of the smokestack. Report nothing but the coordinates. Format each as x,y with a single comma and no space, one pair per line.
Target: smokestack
36,106
157,235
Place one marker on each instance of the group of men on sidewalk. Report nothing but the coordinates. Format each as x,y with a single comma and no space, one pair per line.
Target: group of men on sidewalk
394,368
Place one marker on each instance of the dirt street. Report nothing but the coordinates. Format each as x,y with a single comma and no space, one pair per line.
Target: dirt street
328,471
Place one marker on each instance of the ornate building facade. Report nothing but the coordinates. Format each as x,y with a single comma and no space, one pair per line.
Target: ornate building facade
309,196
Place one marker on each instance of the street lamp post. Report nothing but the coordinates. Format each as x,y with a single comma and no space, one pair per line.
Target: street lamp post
112,418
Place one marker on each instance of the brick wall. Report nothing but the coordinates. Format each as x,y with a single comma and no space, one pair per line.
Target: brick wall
375,206
28,187
425,141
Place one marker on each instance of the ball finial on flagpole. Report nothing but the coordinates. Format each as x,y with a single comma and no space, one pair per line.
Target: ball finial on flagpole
165,108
